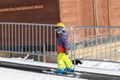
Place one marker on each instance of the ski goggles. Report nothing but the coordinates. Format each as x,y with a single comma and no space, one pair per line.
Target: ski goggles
59,29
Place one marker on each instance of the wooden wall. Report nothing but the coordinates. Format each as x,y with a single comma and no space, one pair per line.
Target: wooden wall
90,12
86,12
114,10
48,14
70,12
101,12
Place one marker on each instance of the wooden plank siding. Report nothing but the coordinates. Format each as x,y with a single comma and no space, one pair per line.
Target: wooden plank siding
48,14
86,12
101,12
114,10
68,12
71,12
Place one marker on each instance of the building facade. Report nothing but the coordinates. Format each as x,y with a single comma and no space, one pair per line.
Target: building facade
70,12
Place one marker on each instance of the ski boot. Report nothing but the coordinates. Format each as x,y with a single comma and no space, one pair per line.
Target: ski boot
70,69
60,70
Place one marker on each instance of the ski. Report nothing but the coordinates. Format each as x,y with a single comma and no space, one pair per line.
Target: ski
67,74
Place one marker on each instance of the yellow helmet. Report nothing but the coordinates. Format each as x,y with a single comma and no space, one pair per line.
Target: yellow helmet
60,25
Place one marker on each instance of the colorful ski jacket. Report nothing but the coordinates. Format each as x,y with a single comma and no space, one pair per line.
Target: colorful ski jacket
62,42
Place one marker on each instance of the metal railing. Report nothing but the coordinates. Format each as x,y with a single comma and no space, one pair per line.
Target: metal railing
28,38
97,43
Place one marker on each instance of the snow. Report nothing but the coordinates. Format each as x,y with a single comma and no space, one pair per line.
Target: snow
98,67
29,62
12,74
101,65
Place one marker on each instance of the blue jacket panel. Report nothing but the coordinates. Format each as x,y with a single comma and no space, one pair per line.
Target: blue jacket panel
62,41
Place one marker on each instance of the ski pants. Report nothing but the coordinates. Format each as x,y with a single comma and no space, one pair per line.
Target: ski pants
63,61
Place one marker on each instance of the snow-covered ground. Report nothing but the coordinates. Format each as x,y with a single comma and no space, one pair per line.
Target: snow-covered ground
87,66
13,74
101,65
